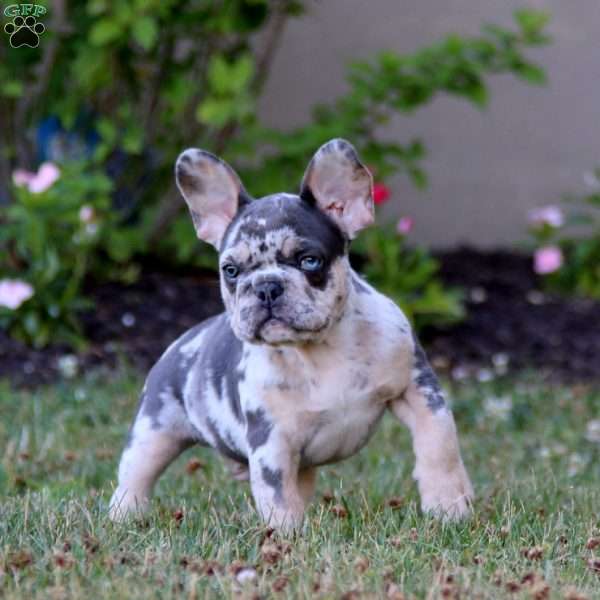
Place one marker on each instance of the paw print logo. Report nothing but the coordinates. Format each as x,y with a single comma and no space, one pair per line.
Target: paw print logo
24,31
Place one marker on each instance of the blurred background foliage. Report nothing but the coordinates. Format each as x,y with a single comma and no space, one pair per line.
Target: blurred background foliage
567,241
117,89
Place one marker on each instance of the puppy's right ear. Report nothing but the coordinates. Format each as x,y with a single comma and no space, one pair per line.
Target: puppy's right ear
212,190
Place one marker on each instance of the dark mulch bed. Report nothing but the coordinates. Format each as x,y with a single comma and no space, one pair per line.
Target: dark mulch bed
510,325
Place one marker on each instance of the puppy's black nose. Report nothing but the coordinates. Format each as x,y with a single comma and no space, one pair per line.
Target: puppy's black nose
268,291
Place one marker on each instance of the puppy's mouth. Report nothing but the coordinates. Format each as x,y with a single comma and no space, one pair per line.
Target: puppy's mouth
274,329
271,321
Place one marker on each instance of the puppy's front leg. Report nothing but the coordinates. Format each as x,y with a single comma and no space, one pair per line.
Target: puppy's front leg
443,481
280,489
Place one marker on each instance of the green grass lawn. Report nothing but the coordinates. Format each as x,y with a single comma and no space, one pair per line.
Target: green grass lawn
536,522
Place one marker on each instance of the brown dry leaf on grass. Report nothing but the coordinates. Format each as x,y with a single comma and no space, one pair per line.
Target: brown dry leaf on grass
592,543
90,543
361,564
272,552
63,560
339,511
594,564
328,497
193,465
533,553
395,502
280,583
19,560
178,515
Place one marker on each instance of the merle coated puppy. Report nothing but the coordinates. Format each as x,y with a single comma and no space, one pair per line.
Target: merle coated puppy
305,360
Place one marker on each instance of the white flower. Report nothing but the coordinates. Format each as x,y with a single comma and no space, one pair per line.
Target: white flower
86,214
546,215
246,574
91,229
498,407
576,464
592,431
68,365
500,362
484,375
545,452
13,292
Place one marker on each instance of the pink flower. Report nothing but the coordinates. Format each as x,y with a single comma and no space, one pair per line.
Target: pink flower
14,292
381,193
546,215
547,259
404,225
22,178
38,182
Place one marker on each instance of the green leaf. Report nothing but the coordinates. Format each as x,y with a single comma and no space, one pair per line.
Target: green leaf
104,32
11,88
107,130
145,32
133,139
531,73
531,22
216,112
228,78
241,73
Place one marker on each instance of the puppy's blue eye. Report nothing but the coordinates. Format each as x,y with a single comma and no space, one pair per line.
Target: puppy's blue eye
311,263
231,271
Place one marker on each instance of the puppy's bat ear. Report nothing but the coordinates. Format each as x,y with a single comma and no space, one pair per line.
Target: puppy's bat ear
341,185
212,190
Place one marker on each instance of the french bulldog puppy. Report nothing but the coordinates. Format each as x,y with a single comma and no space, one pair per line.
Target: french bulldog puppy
305,360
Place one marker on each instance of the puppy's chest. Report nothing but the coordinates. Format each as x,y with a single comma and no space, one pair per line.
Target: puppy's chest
327,407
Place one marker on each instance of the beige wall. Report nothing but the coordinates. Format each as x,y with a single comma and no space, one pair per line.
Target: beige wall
486,168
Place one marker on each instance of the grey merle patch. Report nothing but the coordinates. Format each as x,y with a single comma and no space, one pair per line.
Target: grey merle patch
259,428
274,479
224,360
427,380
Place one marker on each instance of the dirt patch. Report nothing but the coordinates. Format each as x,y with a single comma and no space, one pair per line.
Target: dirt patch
511,324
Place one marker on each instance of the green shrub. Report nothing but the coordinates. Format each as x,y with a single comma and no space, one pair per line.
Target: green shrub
59,233
408,276
50,238
151,77
567,242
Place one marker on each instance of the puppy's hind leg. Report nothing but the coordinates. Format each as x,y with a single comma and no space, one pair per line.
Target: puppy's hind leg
150,449
443,481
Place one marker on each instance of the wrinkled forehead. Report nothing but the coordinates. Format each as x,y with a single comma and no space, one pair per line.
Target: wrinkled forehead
280,225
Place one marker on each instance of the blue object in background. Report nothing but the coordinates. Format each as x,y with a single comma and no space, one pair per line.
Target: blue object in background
56,144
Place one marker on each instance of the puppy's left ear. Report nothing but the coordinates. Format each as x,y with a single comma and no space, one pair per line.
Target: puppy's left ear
212,190
341,185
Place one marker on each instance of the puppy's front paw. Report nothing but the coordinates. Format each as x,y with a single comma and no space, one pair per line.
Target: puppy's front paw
125,504
446,495
285,521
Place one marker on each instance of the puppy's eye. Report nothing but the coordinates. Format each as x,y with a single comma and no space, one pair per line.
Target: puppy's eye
231,271
310,263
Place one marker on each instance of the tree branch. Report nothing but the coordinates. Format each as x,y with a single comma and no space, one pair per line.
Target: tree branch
270,43
171,204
